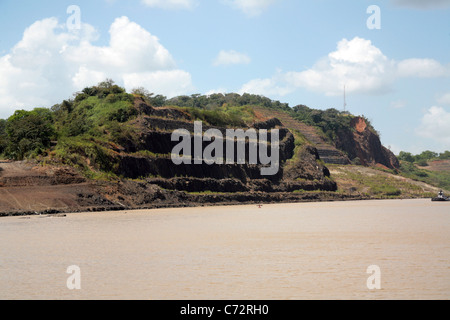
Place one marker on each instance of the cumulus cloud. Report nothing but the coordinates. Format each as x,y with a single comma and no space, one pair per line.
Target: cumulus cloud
436,125
250,7
169,82
131,49
231,57
421,68
272,86
356,64
50,63
170,4
423,4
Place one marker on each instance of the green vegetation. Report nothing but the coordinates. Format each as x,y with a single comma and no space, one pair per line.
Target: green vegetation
88,131
222,110
92,109
74,150
367,181
386,189
28,133
439,179
150,98
423,158
377,185
80,132
3,136
225,116
329,122
416,167
89,127
299,141
218,100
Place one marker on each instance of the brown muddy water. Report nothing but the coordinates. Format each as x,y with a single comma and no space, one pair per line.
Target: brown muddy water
276,252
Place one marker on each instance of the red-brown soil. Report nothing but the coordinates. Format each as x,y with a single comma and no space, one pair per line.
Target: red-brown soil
438,165
28,189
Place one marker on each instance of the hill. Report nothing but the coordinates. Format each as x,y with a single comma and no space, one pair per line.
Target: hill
107,149
374,183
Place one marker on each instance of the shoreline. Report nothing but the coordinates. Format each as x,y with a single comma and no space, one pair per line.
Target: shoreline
63,211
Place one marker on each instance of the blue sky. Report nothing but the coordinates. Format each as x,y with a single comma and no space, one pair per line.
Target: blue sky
300,52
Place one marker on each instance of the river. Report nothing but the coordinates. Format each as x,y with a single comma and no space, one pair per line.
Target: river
276,252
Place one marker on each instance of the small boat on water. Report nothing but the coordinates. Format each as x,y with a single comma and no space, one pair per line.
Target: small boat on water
441,197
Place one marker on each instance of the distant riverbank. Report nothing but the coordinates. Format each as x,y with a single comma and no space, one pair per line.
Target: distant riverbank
208,199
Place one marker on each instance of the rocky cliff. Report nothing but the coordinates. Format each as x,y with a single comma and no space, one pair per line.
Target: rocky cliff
155,128
363,145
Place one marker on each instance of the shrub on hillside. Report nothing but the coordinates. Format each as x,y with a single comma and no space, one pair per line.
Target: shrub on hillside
28,133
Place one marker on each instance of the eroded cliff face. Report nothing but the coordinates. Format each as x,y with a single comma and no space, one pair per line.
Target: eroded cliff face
364,144
155,129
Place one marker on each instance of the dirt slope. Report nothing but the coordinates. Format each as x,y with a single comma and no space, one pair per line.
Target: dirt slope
327,152
438,165
27,189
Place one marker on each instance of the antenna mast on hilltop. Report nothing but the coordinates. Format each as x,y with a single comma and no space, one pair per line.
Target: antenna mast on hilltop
345,100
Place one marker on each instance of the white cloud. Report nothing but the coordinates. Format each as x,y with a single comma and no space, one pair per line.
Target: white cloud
250,7
356,64
50,63
85,76
171,83
265,87
231,57
421,68
435,125
444,99
170,4
131,49
423,4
